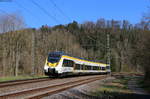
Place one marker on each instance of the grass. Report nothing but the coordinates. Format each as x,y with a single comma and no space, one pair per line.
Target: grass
122,80
117,86
11,78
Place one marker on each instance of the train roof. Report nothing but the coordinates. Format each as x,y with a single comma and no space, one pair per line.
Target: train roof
63,53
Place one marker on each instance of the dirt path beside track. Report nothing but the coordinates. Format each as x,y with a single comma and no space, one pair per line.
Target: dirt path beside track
124,86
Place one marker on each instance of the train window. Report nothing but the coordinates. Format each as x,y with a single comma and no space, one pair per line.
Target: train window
107,67
95,67
103,68
88,67
68,63
91,67
77,67
53,58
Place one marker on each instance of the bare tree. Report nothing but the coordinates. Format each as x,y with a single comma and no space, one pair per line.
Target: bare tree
8,23
11,22
101,23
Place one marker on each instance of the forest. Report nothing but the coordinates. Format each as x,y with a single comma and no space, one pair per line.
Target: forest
23,50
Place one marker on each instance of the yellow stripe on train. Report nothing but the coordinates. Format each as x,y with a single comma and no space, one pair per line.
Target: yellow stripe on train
82,60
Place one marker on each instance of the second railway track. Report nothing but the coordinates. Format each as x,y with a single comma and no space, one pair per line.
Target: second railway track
19,82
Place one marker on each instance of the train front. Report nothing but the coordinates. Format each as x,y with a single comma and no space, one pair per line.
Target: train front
51,64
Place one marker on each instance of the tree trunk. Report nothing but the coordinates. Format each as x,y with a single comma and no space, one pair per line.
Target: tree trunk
17,64
120,65
4,61
33,53
17,60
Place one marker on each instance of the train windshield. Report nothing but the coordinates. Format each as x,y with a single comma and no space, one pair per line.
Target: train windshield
53,58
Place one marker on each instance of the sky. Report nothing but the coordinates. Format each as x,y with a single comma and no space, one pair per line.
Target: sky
54,12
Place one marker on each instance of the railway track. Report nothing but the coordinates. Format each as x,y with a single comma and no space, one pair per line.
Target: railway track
40,92
19,82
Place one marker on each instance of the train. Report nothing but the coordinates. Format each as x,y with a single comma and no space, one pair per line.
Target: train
62,64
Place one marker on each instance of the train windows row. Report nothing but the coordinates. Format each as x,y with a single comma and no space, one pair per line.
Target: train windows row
87,67
70,63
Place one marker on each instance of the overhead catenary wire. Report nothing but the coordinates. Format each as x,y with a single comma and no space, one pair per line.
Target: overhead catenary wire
27,10
61,11
11,16
46,12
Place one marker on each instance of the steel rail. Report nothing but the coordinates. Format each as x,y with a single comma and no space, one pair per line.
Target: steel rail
57,87
19,82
